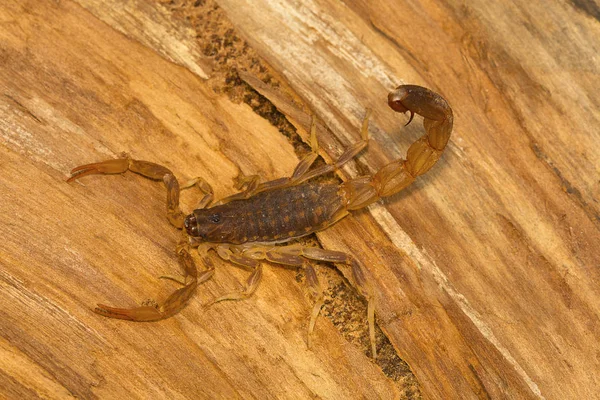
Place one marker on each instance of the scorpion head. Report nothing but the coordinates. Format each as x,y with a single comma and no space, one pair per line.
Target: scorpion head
202,224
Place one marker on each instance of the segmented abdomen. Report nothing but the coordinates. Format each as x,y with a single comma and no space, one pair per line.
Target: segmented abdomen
272,216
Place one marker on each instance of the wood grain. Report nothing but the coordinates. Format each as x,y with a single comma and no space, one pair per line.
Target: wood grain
486,270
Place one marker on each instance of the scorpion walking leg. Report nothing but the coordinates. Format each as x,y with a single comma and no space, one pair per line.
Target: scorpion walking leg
226,253
251,184
205,188
249,256
291,255
348,155
317,294
296,255
301,173
363,285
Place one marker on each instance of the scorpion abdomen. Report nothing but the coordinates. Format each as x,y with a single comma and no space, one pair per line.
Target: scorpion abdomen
277,215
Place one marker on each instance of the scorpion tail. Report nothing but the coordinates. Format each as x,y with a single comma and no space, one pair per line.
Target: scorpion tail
422,154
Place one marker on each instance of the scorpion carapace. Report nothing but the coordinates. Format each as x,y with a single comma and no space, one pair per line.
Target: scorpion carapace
250,226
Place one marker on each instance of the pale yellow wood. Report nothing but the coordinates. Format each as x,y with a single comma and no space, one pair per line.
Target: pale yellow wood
154,27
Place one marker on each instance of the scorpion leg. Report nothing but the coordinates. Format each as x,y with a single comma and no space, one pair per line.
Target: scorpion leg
317,294
226,253
293,254
204,187
290,255
246,183
249,255
348,155
301,172
251,185
315,253
284,255
296,255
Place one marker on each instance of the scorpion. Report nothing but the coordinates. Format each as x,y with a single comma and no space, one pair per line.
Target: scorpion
256,223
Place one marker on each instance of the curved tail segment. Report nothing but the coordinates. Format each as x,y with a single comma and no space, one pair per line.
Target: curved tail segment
422,154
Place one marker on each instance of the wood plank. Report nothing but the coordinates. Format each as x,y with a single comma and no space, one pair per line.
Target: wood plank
486,269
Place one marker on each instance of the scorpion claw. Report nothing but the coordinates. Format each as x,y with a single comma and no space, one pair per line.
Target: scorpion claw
143,314
76,174
116,166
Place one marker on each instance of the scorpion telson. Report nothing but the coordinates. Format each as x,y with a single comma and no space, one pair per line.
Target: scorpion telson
250,226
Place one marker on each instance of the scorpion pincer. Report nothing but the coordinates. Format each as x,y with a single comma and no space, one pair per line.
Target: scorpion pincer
252,226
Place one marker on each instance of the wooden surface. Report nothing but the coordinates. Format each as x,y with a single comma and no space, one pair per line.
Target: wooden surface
486,270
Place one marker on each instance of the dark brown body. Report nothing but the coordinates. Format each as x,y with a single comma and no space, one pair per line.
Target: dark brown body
276,215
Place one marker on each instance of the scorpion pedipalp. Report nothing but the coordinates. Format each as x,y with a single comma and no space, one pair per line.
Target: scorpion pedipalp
174,303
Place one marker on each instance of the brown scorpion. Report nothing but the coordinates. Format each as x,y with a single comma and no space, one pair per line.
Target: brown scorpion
250,226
